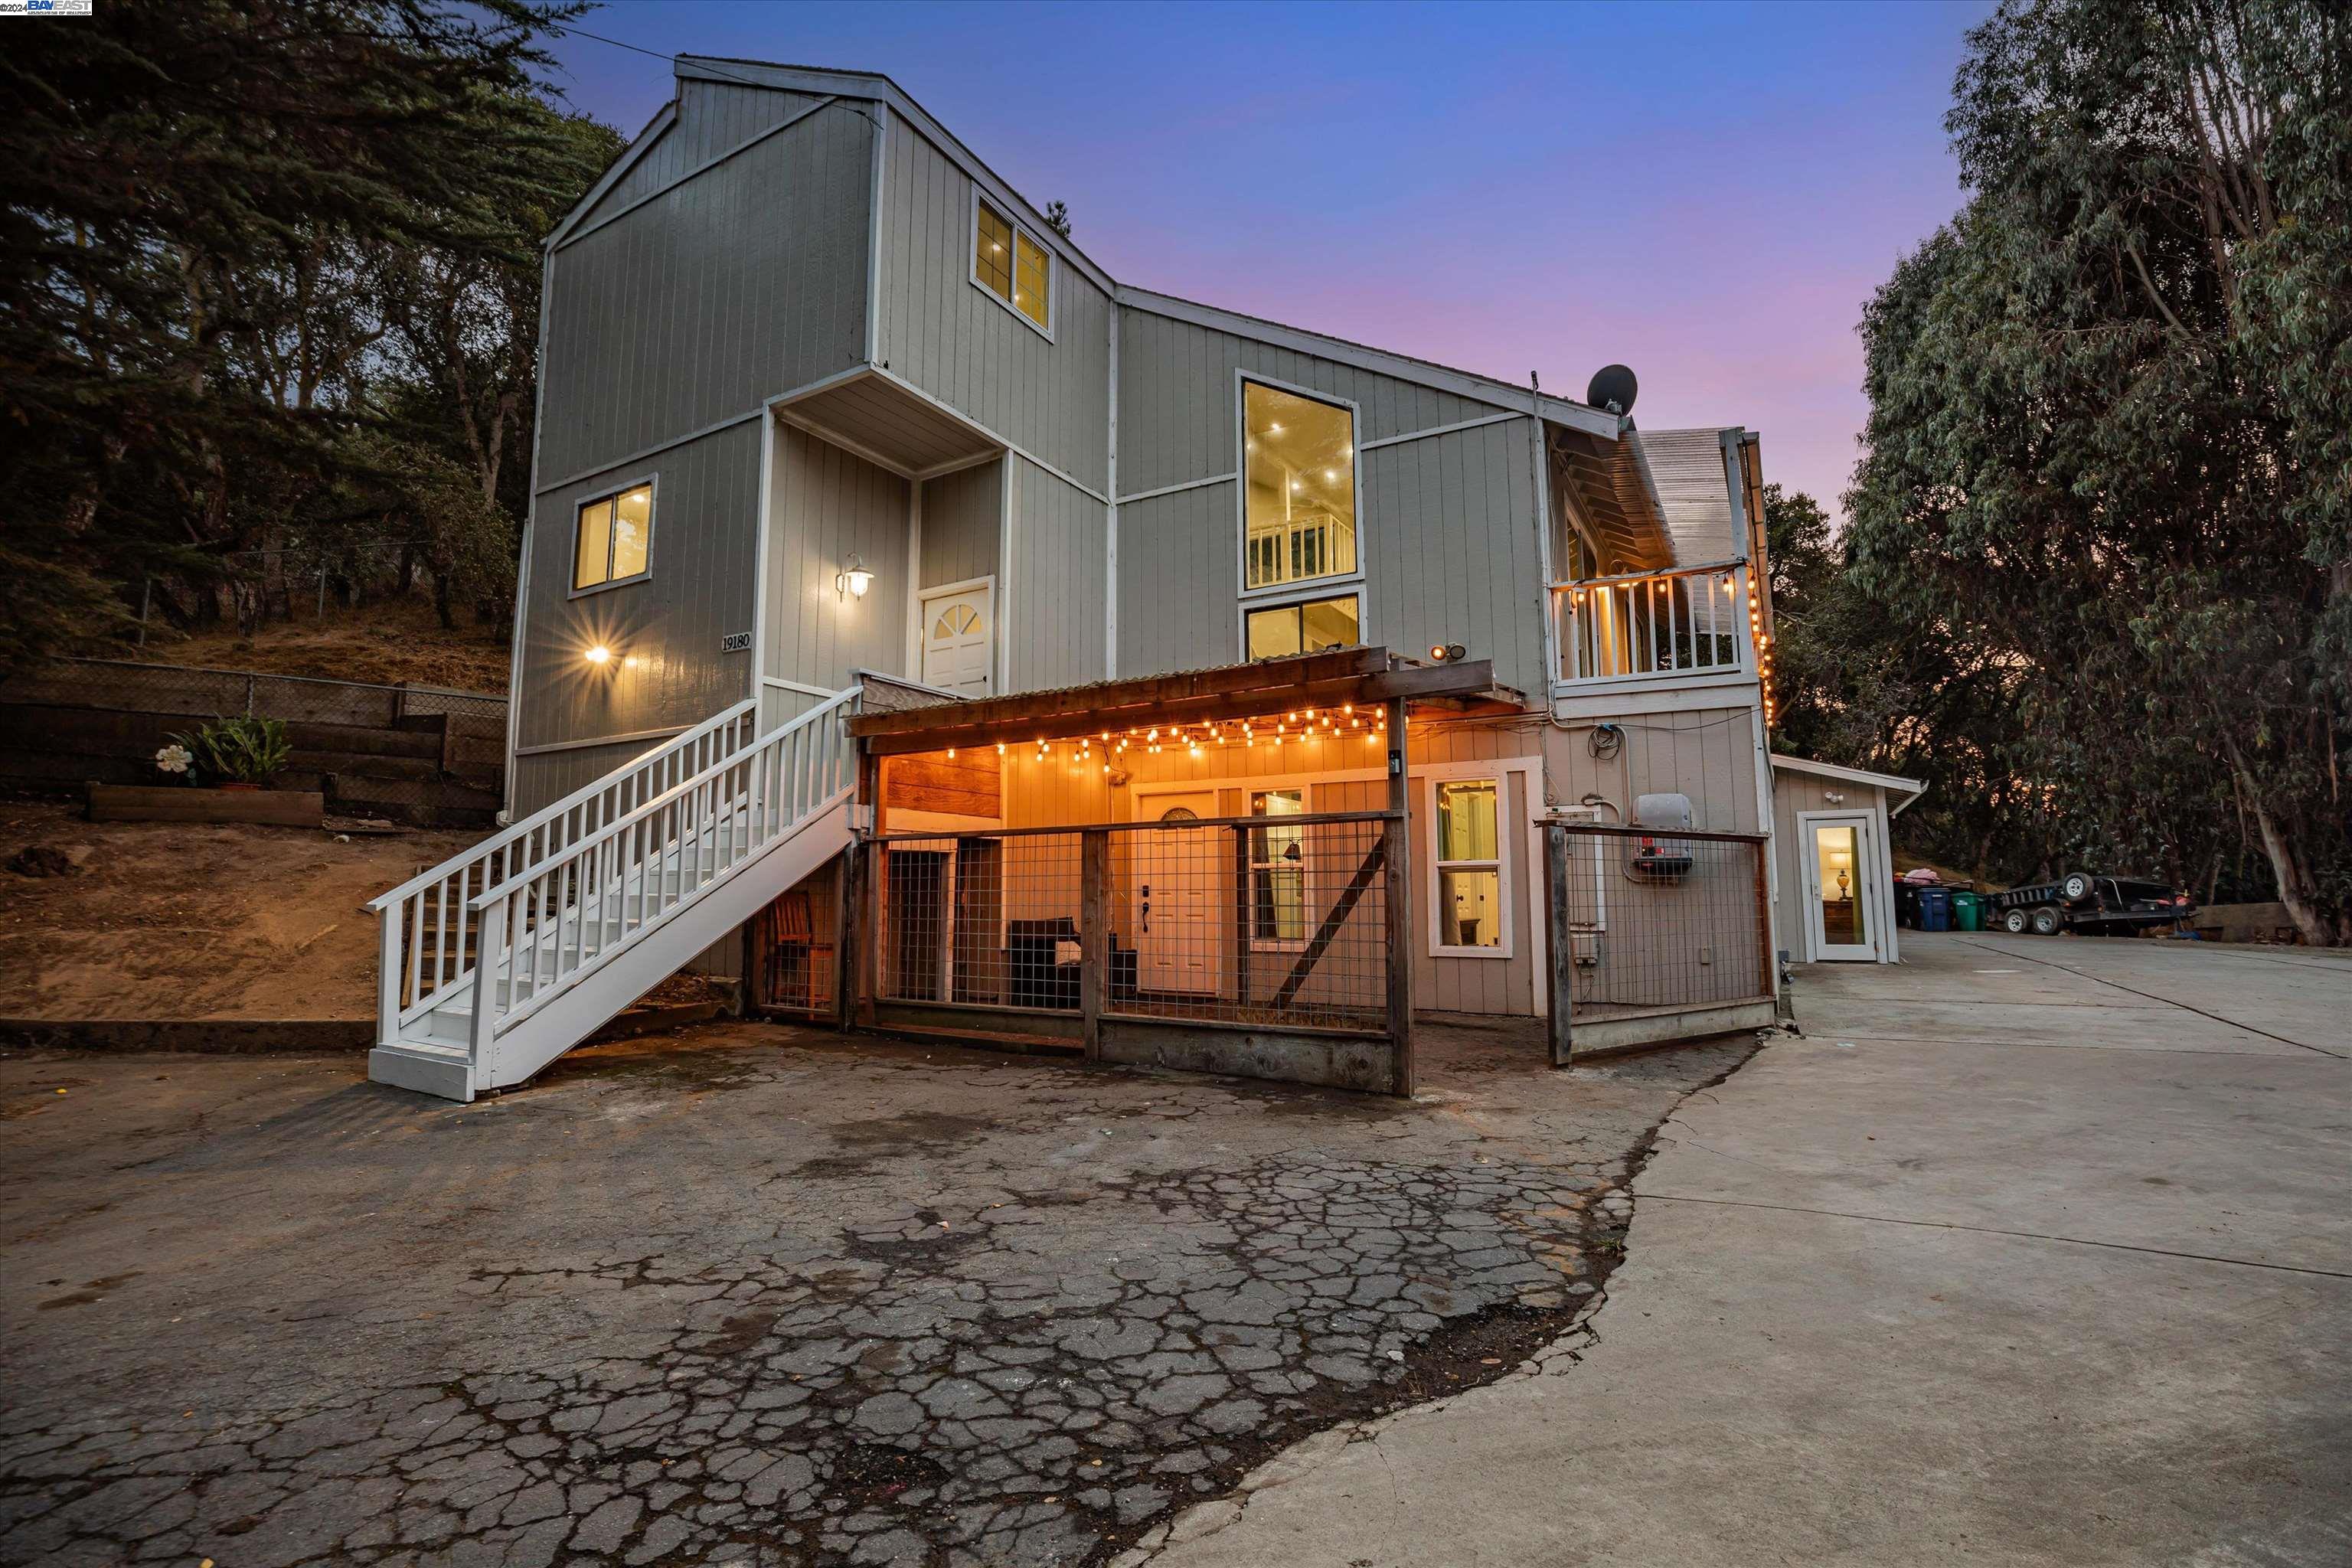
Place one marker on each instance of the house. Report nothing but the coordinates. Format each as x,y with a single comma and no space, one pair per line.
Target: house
942,635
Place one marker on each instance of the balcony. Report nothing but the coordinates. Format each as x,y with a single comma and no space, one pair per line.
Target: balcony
1693,625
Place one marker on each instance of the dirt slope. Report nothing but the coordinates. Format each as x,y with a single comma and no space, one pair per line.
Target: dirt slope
166,920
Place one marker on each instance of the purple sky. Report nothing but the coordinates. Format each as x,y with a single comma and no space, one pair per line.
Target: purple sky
1707,193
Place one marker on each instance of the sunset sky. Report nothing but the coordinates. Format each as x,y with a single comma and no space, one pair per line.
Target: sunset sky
1707,193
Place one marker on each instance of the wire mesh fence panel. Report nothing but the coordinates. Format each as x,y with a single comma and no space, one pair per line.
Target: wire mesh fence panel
1657,921
1275,921
980,920
1278,923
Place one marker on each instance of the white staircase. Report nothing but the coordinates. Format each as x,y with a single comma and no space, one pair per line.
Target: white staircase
579,910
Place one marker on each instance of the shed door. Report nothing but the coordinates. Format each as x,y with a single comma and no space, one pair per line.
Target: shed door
958,630
1837,858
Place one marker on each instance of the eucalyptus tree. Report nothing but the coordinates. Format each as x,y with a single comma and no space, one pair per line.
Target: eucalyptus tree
2110,439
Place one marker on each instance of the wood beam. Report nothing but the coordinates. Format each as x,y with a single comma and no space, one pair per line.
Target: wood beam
1273,676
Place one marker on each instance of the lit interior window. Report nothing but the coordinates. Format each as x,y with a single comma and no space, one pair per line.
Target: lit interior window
1012,265
1299,514
1310,627
1469,866
613,537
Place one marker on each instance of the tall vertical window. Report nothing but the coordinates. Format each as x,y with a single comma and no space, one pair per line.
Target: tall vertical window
613,535
1278,869
1468,916
1298,505
1012,265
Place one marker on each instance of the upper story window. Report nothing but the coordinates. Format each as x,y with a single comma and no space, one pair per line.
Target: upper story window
614,536
1315,626
1011,264
1298,491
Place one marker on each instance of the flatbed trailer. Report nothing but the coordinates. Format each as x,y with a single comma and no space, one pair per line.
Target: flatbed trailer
2087,903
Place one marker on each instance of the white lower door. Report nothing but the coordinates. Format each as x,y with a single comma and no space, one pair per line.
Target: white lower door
1839,861
1179,884
959,631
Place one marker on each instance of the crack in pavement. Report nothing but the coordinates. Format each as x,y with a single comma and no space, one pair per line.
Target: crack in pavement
799,1305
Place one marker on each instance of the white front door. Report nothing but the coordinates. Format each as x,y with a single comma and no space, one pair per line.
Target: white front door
959,631
1839,861
1179,885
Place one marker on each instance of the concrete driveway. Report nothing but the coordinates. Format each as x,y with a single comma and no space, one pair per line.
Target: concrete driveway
2033,1250
756,1296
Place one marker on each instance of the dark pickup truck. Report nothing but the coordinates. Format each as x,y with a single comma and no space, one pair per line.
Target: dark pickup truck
2087,903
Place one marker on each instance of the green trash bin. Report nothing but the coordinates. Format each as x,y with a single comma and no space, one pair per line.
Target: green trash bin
1968,911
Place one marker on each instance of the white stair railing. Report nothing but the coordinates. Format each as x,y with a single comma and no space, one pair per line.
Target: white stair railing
426,938
573,913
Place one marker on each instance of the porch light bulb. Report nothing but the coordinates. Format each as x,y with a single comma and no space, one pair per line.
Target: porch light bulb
1197,754
999,748
599,654
1331,473
1274,429
1295,487
951,754
855,577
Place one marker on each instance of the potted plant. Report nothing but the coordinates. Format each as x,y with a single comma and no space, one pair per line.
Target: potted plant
244,753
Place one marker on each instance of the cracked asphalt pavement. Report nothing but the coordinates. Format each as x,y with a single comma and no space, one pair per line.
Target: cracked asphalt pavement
757,1295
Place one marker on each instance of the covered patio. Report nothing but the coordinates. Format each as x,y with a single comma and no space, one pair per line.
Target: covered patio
1101,869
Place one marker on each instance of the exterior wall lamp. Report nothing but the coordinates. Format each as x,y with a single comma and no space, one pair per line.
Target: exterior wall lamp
854,578
600,654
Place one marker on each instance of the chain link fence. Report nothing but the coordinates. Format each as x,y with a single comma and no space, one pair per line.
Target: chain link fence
423,755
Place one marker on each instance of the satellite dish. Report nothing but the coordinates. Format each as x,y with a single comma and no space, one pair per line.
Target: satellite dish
1613,388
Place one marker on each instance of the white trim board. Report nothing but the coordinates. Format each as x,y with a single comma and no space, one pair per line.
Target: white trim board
617,213
873,87
1380,362
1851,775
664,118
642,453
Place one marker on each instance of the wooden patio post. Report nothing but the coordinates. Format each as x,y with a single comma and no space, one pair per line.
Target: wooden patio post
1562,949
869,856
1397,861
1094,932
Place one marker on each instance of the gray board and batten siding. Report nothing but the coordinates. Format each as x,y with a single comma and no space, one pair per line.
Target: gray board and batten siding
673,311
1446,527
960,524
827,505
941,334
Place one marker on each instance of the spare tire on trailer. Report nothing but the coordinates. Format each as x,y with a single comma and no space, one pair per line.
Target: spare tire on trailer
2077,886
2013,922
2047,920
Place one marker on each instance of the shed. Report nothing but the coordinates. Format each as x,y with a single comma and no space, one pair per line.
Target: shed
1832,859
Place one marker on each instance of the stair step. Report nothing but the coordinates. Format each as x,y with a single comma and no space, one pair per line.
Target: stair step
427,1069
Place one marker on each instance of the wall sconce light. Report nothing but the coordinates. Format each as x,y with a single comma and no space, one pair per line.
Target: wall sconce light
1835,797
600,654
1447,653
854,578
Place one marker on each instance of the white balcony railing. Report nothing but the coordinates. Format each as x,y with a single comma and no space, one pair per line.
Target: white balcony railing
1691,621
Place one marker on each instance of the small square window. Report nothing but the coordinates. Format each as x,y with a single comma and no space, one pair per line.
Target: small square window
613,540
1012,263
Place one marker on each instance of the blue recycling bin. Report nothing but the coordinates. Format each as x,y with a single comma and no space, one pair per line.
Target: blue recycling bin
1935,908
